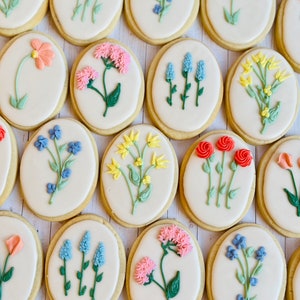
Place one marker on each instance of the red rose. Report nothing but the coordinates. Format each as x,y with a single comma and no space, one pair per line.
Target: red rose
205,150
225,143
243,157
2,133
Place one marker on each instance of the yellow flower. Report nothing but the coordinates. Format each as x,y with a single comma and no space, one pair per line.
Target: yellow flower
133,137
159,162
114,169
138,162
245,81
265,113
273,64
147,180
123,150
282,76
268,91
247,66
153,141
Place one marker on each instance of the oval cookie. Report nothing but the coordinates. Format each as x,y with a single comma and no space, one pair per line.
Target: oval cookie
217,180
184,88
20,16
246,262
85,260
160,21
138,177
59,170
287,28
238,25
107,86
20,254
293,287
83,22
165,262
33,76
9,160
261,90
278,199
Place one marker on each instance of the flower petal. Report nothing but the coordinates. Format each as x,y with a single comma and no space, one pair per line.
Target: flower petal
14,244
36,44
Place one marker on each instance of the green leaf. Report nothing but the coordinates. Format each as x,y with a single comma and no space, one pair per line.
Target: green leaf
99,277
69,163
232,194
174,89
206,168
173,286
235,17
14,3
222,189
53,166
68,285
95,268
134,176
253,298
188,86
212,192
250,92
61,185
292,198
240,278
113,97
219,168
79,275
92,293
227,16
166,10
169,100
82,291
22,102
12,100
97,8
200,92
62,271
77,10
145,194
86,264
88,2
8,275
212,158
233,166
258,270
274,112
62,148
250,251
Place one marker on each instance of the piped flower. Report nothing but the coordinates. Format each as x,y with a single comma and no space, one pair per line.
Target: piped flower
285,161
2,133
14,244
143,270
42,54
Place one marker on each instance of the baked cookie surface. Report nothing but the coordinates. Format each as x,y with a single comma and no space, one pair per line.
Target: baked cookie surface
292,289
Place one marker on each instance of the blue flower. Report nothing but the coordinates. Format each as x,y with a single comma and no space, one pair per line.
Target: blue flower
169,0
187,66
55,132
239,297
41,143
99,257
200,71
260,253
253,281
239,241
231,253
65,252
170,73
157,9
74,147
66,173
85,243
51,188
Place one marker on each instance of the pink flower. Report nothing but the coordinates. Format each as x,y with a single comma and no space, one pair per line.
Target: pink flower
167,233
42,54
2,133
84,76
285,161
143,270
14,244
102,50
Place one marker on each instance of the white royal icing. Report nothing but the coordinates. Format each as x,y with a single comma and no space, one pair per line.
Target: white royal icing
24,262
44,88
192,118
35,172
111,268
258,12
85,29
244,109
148,22
190,267
224,282
196,185
163,180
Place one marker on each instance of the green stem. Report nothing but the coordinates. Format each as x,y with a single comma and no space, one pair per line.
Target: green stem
221,179
229,188
258,75
294,182
197,95
159,285
65,277
94,285
247,284
81,271
210,182
75,11
133,200
93,12
162,268
162,10
231,7
170,91
244,273
185,91
84,10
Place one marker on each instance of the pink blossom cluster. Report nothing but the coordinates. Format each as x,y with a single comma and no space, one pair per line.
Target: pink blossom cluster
143,270
84,76
116,54
177,236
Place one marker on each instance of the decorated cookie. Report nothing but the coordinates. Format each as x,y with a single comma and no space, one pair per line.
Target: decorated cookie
33,77
261,90
217,180
246,263
278,200
82,22
287,29
107,86
238,24
59,170
138,177
160,21
165,262
9,160
293,280
85,260
19,16
21,258
184,88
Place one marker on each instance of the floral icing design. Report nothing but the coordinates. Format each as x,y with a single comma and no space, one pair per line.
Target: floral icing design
138,179
259,65
241,158
14,245
65,254
231,17
61,163
162,8
172,240
43,55
2,133
113,57
8,6
285,161
250,262
82,7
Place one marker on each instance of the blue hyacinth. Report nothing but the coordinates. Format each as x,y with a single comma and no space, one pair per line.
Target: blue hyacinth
74,147
51,188
200,71
65,252
41,143
239,241
170,76
85,243
231,253
260,253
99,257
187,66
170,72
55,132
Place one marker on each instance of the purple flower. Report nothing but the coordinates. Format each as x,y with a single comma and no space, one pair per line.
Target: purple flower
41,143
260,253
74,147
66,173
239,241
231,253
55,132
157,9
51,188
253,281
